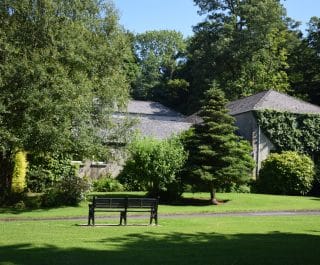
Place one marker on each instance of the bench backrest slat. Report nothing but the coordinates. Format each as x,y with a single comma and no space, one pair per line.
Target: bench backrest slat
100,202
141,203
109,202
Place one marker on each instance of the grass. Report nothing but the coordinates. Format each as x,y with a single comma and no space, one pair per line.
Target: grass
270,240
289,240
235,202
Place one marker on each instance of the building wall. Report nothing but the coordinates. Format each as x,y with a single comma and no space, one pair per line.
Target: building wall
249,129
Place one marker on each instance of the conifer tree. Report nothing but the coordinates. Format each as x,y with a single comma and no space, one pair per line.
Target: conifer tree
218,158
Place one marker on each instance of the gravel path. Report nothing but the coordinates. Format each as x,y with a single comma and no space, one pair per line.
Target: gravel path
172,216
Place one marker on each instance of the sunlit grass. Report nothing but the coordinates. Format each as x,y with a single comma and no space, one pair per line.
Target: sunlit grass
200,240
195,203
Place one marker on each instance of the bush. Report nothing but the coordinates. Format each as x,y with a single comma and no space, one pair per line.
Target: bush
69,191
129,181
287,173
33,200
153,165
315,191
67,187
39,178
107,183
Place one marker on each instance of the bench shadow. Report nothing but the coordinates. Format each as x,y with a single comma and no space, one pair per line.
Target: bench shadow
193,202
113,225
118,195
173,248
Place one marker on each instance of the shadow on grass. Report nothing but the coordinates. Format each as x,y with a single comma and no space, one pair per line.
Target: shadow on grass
175,248
196,202
12,210
115,195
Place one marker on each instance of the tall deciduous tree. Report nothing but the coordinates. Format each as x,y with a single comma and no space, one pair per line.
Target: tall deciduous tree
61,73
241,46
217,157
158,54
304,61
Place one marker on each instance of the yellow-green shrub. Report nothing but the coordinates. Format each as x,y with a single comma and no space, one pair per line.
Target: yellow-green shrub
19,172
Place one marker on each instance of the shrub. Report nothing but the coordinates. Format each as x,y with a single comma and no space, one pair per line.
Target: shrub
69,191
67,187
46,170
33,200
129,181
286,173
18,184
154,165
39,178
315,191
107,183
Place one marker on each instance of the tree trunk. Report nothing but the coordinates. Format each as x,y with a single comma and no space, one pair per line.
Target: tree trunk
213,199
6,171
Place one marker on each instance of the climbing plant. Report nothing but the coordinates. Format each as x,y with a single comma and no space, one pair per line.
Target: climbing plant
290,131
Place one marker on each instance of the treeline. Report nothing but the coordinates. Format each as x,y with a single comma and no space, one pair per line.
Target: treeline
66,66
243,47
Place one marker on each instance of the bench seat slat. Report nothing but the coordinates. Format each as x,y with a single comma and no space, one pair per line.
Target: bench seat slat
124,205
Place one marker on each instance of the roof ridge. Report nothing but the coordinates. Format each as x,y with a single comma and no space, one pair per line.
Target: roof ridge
299,99
266,93
289,96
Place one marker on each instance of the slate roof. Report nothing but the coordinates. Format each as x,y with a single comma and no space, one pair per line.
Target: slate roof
161,129
150,108
273,100
155,120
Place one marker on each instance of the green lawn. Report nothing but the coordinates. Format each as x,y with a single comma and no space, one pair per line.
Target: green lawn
235,202
287,240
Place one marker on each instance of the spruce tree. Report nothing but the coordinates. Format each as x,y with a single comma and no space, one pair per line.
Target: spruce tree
218,158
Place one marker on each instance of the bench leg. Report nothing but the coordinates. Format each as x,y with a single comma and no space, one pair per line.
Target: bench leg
154,216
91,215
91,219
123,217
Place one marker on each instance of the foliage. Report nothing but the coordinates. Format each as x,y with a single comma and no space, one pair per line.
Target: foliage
129,181
18,184
241,45
286,173
155,165
58,179
304,61
46,170
107,183
173,93
70,190
63,69
158,54
217,157
290,131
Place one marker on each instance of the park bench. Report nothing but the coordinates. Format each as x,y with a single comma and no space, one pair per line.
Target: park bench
123,205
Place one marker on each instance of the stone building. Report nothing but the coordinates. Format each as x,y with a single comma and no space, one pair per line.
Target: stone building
155,120
150,119
243,111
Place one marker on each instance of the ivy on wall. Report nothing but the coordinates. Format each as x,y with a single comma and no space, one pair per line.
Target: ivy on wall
290,131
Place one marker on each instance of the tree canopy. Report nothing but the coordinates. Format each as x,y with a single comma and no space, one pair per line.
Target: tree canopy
62,71
304,61
159,54
241,46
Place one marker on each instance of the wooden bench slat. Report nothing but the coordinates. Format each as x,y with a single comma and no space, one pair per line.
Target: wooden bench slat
124,205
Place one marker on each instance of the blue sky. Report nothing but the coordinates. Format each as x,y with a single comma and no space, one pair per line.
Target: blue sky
142,15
